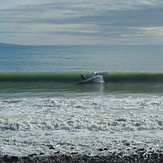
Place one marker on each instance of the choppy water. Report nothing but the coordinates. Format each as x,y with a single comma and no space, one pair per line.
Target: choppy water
43,108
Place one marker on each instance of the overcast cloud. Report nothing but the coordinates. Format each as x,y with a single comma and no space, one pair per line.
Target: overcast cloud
51,22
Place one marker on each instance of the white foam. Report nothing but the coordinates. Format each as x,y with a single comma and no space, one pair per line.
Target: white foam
30,125
98,79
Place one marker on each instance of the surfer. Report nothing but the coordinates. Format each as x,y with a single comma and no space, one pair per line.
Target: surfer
83,77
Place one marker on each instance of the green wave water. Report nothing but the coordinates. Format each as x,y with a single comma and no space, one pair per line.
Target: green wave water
133,77
75,76
42,76
50,84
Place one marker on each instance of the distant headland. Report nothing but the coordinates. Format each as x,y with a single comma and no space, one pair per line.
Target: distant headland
8,44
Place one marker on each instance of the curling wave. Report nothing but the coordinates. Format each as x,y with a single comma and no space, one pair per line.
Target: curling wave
75,76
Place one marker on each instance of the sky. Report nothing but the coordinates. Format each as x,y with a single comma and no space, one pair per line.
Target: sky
81,22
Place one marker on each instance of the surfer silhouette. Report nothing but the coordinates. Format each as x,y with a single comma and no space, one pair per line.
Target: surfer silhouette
83,77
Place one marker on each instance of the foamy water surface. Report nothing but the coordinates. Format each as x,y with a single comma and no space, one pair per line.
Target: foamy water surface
81,124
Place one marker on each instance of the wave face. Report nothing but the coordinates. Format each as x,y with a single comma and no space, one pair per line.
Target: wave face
41,76
75,76
134,77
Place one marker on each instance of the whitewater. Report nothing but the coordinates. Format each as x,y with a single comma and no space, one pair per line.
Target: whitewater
81,124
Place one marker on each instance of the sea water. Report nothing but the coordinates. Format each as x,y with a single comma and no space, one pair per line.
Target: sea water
45,110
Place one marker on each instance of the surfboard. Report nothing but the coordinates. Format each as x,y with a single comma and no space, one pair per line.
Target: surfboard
93,79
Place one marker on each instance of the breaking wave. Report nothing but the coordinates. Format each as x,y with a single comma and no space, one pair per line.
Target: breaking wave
75,76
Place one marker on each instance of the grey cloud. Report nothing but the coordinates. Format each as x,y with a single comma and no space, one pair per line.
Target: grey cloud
66,12
109,18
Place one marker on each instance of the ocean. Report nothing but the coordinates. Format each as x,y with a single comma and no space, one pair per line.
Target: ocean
45,109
